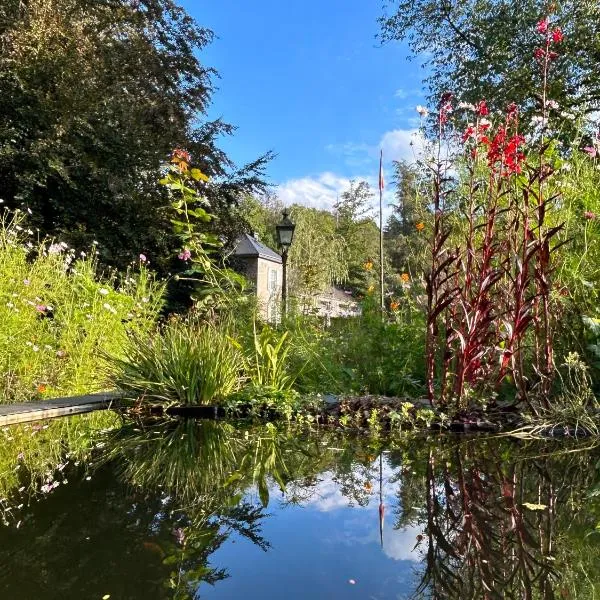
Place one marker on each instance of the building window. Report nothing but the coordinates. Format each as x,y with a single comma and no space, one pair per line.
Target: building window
272,284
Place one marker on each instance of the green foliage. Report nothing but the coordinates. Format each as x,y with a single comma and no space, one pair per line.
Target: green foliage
408,227
188,362
268,364
362,355
210,285
361,234
485,49
318,257
267,402
93,97
59,318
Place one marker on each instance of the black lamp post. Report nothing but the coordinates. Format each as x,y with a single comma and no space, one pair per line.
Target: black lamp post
285,235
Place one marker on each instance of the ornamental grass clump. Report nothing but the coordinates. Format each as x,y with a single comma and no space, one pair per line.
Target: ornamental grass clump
186,363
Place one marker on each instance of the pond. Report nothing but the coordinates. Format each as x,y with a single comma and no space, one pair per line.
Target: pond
99,509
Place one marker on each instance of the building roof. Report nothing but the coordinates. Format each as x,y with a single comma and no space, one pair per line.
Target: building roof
336,293
250,246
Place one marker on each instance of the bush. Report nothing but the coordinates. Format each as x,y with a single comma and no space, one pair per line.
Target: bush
188,363
59,318
361,355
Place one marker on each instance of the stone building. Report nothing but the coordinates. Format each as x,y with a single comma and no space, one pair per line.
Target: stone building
263,268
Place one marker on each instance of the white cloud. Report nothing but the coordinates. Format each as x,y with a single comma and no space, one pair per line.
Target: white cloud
323,190
317,192
401,144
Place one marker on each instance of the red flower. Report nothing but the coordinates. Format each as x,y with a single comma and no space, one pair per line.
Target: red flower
589,215
482,108
542,26
506,152
552,55
557,35
512,111
539,53
468,133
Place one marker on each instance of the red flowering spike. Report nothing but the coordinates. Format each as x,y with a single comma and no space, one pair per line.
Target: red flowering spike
542,26
539,53
557,35
482,108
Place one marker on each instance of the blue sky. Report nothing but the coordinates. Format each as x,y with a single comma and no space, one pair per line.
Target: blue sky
308,80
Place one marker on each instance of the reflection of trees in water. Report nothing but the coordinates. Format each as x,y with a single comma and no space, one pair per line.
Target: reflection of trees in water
497,522
184,487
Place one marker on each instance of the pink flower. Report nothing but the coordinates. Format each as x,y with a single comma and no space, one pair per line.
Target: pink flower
185,255
557,35
26,282
591,150
589,215
41,308
143,258
542,26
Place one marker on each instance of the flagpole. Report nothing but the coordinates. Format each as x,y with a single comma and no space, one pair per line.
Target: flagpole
381,291
381,507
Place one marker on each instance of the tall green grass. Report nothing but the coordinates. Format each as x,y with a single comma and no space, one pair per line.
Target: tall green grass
188,362
59,317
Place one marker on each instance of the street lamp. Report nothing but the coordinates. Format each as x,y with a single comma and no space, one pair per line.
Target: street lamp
285,235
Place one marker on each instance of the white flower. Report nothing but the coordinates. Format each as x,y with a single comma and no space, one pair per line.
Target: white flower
109,308
484,122
103,291
552,104
466,106
422,110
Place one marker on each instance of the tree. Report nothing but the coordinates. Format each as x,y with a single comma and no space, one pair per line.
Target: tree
93,98
360,233
318,257
405,236
484,49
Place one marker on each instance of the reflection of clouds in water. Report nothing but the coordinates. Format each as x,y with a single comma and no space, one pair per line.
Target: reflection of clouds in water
360,524
326,495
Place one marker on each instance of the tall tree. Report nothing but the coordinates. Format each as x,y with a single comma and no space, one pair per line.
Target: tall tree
405,233
485,49
93,97
354,223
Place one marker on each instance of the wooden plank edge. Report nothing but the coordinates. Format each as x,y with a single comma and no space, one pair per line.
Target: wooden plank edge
51,413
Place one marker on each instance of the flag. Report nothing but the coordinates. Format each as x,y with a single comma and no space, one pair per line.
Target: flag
381,171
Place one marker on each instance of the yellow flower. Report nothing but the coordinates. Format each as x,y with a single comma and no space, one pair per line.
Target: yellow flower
371,289
368,265
405,277
420,226
394,305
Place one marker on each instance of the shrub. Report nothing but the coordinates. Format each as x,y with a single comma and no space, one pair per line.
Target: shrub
59,317
188,363
362,355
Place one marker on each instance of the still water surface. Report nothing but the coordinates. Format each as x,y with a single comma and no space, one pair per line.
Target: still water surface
209,510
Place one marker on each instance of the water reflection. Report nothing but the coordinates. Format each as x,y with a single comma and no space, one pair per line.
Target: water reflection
186,510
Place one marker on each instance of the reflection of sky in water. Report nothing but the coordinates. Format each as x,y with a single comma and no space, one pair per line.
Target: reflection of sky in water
318,546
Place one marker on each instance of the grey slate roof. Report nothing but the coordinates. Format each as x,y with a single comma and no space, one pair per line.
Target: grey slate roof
249,246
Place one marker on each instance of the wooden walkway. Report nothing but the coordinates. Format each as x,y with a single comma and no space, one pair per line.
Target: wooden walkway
57,407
